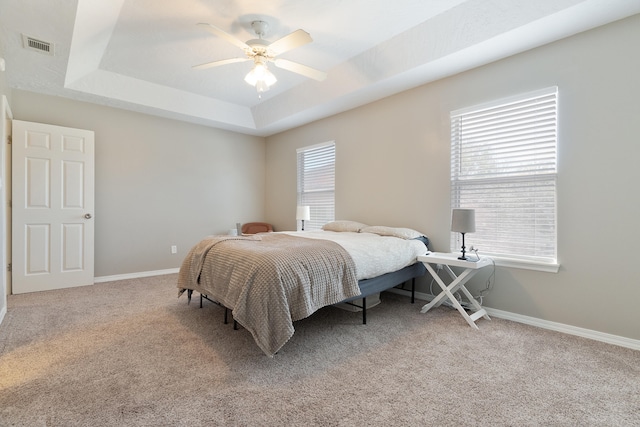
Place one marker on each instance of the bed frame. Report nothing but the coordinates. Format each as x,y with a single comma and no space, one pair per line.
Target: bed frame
386,281
367,287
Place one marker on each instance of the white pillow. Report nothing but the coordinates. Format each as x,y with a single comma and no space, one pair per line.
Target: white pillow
402,233
344,226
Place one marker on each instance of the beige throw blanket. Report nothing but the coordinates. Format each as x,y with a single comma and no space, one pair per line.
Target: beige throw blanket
270,280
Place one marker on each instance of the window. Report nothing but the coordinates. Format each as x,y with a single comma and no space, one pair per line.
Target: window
503,165
316,183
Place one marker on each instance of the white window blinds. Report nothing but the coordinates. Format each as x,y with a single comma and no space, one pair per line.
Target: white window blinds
503,165
316,183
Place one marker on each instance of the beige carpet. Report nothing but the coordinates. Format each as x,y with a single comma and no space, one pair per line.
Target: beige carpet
129,353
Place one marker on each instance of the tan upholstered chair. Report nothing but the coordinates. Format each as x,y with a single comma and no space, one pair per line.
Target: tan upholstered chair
256,227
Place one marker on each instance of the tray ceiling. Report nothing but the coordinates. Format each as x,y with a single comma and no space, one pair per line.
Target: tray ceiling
138,54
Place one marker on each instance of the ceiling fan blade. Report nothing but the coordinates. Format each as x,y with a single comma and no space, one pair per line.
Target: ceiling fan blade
218,32
218,63
291,41
300,69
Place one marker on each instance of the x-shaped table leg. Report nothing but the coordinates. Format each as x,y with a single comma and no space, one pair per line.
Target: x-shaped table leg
447,292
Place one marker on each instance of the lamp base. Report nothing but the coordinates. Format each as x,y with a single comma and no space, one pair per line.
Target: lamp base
463,257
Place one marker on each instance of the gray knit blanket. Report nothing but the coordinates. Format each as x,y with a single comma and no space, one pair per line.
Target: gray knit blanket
270,280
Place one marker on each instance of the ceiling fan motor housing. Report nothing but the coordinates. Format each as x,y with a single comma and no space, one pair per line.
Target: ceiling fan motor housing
259,48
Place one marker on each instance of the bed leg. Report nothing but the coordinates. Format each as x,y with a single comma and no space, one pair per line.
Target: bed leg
226,310
413,290
200,300
364,310
235,325
189,292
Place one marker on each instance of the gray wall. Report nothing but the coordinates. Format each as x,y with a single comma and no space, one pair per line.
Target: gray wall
159,182
4,88
392,168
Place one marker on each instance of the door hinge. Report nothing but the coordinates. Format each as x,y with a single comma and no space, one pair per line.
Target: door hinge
9,139
9,267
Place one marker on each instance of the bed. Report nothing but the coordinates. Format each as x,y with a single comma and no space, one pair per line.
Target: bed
270,280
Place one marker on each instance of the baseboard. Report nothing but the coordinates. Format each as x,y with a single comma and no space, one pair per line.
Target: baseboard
103,279
545,324
567,329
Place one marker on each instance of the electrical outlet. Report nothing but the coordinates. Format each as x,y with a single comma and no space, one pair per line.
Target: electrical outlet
174,249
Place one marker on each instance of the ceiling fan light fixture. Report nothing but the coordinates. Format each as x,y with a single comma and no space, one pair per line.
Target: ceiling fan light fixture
262,86
260,77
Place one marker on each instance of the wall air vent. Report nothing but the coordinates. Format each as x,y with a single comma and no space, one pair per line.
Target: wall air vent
37,45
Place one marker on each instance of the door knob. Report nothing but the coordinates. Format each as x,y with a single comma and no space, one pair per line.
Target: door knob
87,216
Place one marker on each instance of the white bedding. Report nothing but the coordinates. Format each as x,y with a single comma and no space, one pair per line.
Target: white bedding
391,253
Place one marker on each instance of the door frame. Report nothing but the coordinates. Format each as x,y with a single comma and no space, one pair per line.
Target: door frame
5,195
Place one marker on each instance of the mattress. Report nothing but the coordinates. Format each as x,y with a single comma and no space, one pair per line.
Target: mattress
374,255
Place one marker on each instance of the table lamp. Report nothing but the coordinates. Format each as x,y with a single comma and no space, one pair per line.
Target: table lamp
303,213
463,221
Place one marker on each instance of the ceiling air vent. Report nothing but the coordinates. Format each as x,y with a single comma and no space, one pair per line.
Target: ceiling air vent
37,45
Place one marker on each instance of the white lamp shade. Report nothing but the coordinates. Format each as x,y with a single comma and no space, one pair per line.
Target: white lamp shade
303,213
463,220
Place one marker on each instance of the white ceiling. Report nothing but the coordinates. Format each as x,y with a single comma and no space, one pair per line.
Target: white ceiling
138,54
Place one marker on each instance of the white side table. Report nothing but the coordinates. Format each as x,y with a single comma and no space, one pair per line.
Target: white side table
448,260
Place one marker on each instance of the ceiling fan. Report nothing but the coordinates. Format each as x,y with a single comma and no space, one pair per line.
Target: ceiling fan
261,52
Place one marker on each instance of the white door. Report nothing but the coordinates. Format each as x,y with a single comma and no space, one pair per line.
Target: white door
53,183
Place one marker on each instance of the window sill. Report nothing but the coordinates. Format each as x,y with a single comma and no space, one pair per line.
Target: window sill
526,265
